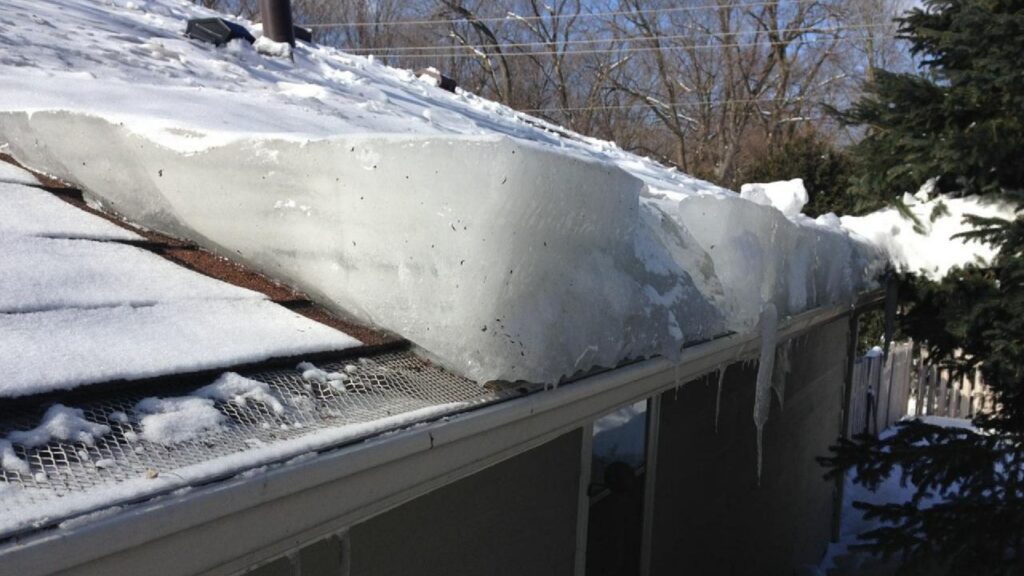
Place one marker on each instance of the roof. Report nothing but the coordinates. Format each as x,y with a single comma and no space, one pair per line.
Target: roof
475,231
88,300
199,369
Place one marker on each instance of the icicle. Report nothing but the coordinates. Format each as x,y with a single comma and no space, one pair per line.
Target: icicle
781,371
763,388
678,380
718,395
891,302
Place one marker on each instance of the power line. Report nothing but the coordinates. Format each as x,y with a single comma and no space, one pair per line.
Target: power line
510,17
809,29
677,106
718,46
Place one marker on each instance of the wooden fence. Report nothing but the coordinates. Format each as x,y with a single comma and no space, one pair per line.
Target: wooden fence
887,389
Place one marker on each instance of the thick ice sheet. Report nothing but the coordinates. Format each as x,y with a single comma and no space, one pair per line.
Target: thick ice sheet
30,211
506,247
39,274
65,348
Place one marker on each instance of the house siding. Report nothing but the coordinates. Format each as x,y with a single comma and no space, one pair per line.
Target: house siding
712,515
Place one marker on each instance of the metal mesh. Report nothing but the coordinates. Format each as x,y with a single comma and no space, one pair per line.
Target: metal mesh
384,385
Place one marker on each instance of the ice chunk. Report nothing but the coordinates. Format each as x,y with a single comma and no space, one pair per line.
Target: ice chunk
63,424
763,386
506,247
788,197
233,387
172,420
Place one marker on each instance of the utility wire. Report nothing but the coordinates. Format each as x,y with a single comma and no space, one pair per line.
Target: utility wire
808,29
653,103
476,53
510,17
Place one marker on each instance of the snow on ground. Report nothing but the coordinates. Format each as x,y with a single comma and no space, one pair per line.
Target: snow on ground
839,558
75,310
927,246
505,247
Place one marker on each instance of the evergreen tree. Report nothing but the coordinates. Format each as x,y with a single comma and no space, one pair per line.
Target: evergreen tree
960,122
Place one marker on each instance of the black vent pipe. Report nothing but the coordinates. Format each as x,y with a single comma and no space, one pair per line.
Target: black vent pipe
277,20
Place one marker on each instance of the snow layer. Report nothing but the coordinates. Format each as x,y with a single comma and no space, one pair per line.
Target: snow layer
12,174
75,310
125,342
504,246
892,490
29,211
41,274
927,246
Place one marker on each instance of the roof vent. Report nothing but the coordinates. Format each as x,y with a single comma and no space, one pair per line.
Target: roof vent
216,31
304,34
440,80
277,20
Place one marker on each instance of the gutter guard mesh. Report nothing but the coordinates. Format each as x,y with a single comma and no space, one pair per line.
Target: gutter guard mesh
380,386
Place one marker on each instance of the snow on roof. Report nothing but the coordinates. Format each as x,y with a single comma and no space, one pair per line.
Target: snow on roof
29,211
928,246
12,174
47,274
117,447
74,310
507,248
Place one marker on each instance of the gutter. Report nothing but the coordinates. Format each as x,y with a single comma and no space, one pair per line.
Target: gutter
301,501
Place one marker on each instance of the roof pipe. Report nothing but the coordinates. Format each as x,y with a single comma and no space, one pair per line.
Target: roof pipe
277,20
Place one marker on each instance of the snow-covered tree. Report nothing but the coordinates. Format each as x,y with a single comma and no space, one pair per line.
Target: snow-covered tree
961,122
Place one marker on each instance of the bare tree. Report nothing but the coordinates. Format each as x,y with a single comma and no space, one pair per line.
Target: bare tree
709,88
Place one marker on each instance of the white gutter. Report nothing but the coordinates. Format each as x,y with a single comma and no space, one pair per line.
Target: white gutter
285,507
